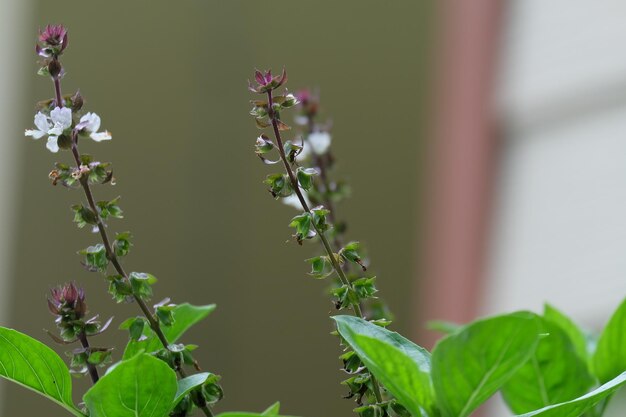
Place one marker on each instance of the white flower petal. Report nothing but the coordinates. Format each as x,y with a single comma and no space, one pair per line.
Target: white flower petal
57,130
304,153
91,122
61,117
52,144
36,134
294,201
319,142
42,123
100,136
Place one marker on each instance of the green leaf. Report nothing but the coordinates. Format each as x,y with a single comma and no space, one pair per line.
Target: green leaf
575,333
351,252
35,366
186,385
110,209
272,410
302,224
141,283
185,316
95,258
609,359
472,364
321,267
364,287
140,387
581,405
305,177
319,218
122,244
554,373
84,216
402,366
442,326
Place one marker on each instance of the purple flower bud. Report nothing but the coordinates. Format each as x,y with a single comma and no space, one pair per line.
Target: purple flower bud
68,299
53,41
308,101
54,35
266,82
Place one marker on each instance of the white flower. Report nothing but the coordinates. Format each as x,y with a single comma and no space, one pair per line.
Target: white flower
294,201
61,119
319,142
53,145
316,143
91,123
42,124
304,153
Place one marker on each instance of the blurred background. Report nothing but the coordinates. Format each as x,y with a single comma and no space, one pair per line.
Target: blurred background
483,142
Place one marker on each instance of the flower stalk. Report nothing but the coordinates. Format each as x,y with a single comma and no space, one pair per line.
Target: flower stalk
267,85
134,286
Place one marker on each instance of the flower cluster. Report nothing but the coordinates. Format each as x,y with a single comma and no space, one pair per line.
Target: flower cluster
67,303
57,125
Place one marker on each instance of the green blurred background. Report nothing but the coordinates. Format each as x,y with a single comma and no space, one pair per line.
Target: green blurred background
169,80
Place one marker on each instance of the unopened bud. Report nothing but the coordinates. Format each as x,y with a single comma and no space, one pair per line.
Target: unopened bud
54,68
77,101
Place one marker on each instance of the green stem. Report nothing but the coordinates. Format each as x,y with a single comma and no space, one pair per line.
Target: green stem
93,371
305,207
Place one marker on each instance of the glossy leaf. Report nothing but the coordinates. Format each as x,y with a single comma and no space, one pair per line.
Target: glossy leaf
472,364
581,405
402,366
575,333
609,359
140,387
35,366
555,373
186,385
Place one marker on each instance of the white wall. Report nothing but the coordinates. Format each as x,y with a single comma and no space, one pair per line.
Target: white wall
559,226
14,19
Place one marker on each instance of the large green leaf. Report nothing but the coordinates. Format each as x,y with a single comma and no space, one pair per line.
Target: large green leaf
609,359
401,365
555,373
576,335
140,387
579,406
35,366
185,316
472,364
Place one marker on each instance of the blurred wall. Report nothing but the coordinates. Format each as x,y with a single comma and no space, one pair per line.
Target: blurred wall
11,99
170,83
